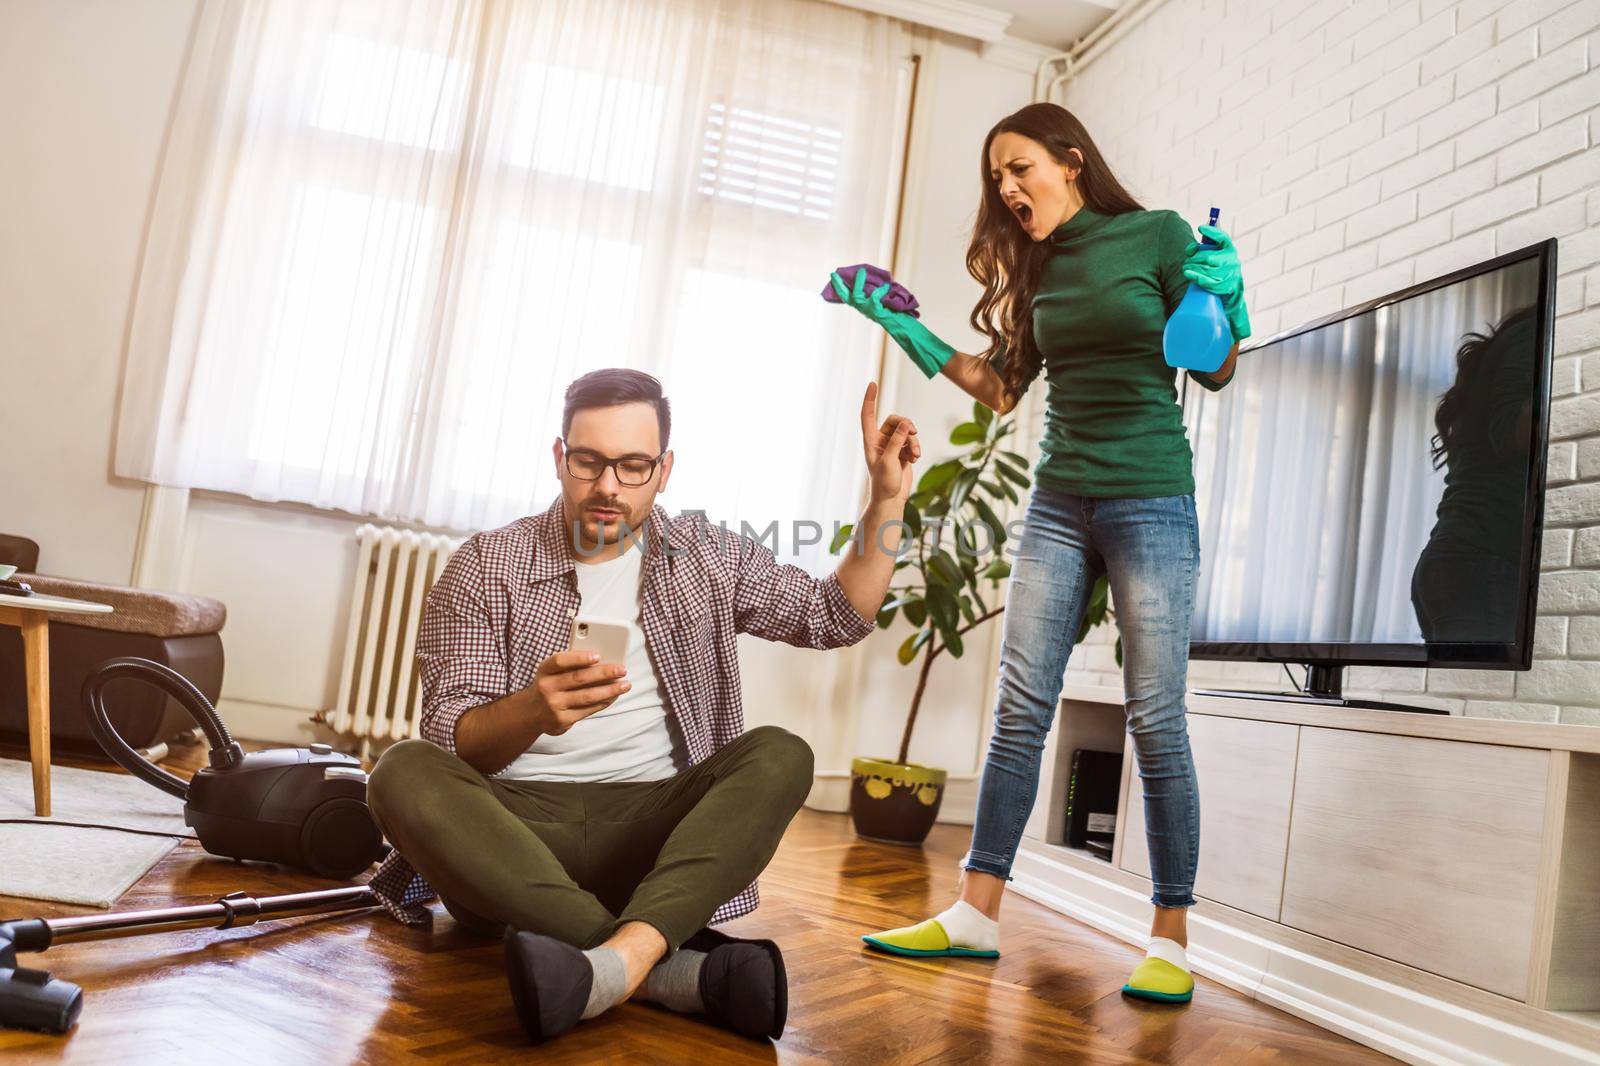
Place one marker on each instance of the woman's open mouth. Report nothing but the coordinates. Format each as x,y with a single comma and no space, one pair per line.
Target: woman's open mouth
1024,214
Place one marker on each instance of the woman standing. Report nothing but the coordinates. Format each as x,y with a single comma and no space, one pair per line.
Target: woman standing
1078,281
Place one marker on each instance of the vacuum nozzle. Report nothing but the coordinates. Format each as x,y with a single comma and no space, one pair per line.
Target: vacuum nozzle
32,999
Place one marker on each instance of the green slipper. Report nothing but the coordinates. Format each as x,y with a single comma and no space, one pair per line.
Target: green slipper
923,940
1160,981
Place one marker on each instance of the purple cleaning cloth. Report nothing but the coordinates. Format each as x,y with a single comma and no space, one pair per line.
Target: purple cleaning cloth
898,298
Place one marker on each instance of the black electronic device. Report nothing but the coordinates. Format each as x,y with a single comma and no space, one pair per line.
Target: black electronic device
1372,492
1092,796
302,807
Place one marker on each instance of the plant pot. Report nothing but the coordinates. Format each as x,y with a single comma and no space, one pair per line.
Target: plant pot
894,802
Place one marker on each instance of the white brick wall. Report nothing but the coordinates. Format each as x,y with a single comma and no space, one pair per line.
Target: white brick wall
1359,146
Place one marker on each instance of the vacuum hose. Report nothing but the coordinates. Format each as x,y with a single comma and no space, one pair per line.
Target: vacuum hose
225,751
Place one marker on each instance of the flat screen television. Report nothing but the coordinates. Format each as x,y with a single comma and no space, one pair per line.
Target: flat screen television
1370,487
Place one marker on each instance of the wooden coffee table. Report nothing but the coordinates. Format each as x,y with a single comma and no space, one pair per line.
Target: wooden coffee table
30,614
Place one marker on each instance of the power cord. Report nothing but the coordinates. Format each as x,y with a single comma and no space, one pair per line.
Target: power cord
95,825
385,847
1292,681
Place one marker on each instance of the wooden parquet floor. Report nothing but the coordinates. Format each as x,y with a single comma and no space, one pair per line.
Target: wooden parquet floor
361,988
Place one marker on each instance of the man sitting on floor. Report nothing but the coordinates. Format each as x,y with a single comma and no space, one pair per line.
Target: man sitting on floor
599,814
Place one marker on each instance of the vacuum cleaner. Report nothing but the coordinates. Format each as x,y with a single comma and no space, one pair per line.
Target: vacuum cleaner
301,807
32,999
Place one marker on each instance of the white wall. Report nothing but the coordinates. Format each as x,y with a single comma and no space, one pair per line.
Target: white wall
82,154
88,87
1359,147
99,78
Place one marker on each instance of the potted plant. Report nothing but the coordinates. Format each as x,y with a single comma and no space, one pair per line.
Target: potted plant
954,543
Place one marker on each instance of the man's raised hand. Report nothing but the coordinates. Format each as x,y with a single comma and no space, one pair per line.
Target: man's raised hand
891,448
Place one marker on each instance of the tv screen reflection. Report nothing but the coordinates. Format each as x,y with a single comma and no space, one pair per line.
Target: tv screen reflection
1366,481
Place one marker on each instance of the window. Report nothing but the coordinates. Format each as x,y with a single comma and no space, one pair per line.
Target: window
770,162
386,239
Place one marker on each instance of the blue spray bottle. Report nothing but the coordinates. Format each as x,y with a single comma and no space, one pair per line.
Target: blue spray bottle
1197,336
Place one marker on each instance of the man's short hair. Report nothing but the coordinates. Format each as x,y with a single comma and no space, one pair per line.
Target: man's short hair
612,386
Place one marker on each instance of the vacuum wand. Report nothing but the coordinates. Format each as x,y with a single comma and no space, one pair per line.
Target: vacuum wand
32,999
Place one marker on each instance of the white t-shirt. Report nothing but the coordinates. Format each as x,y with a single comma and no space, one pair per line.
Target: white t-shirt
631,740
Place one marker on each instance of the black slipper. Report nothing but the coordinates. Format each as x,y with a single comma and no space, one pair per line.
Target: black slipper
743,983
550,982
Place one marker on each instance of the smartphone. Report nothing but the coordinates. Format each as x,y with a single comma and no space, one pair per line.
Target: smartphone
609,639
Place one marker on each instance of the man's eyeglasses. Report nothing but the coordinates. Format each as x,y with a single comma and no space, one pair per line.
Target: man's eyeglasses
586,465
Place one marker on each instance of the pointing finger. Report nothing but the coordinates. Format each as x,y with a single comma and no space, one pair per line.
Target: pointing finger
869,409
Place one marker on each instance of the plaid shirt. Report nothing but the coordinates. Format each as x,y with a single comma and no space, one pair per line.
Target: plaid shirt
504,602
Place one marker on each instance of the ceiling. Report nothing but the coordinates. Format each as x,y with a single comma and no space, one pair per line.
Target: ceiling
1056,23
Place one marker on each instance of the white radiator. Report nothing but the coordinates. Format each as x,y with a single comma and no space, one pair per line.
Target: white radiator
380,696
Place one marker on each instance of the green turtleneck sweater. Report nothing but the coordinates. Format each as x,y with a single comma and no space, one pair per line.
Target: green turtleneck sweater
1113,426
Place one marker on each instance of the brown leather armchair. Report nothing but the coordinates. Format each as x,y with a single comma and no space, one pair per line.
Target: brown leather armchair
177,630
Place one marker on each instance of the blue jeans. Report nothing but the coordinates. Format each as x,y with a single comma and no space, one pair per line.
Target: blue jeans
1149,549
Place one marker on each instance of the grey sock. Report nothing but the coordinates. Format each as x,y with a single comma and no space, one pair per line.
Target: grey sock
610,981
674,982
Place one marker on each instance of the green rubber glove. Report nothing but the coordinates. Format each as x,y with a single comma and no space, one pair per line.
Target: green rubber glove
926,350
1216,270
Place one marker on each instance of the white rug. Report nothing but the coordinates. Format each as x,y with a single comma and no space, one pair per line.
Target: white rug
47,859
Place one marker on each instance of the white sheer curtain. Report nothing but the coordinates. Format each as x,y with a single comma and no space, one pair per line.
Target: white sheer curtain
387,235
1314,487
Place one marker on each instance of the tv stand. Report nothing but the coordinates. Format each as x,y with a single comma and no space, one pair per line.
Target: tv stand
1422,884
1324,686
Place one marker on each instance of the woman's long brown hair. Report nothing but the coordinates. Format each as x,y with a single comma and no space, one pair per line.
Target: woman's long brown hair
1472,366
1005,260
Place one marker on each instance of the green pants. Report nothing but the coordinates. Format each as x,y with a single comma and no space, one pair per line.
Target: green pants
575,860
